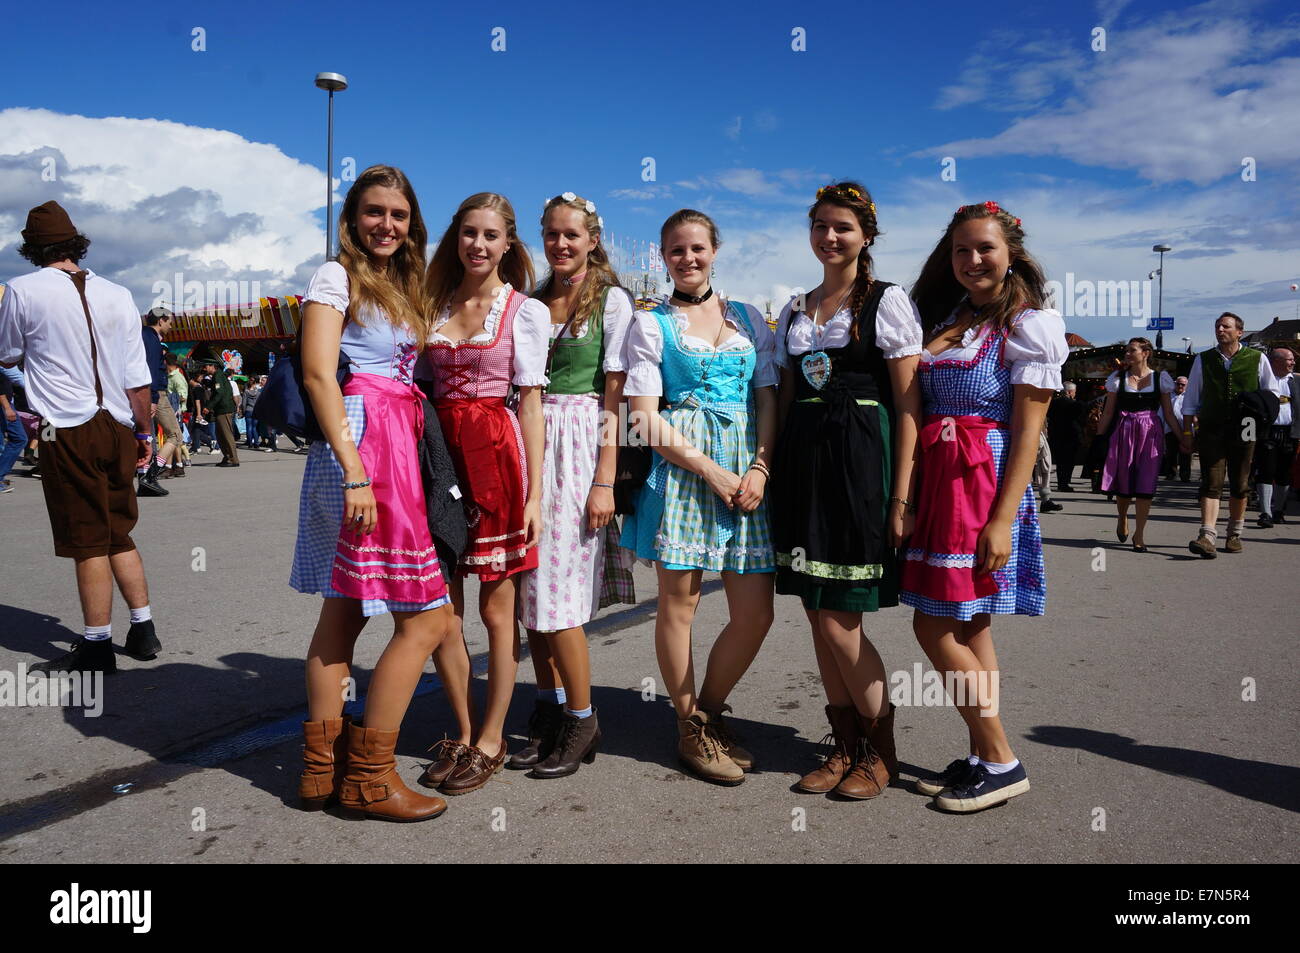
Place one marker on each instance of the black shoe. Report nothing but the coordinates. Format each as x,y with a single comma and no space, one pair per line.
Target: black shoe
141,642
543,727
227,463
1265,521
86,656
576,742
1051,507
1279,517
149,487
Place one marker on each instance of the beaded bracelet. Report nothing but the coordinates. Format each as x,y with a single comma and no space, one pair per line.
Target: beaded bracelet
360,485
907,504
608,486
761,468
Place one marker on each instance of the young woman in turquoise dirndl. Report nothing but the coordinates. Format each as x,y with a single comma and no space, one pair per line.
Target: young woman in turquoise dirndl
702,506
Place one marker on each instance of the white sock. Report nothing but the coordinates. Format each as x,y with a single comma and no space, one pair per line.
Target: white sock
992,767
143,614
1265,491
99,633
972,760
1235,527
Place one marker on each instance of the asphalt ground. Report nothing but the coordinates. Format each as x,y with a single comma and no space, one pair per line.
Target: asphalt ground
1154,707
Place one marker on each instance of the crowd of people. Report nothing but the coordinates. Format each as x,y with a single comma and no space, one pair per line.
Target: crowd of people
877,449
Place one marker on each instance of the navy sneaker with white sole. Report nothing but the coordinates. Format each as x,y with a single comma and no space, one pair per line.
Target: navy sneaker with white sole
982,789
955,773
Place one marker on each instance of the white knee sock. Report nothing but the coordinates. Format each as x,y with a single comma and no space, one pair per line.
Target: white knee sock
1265,491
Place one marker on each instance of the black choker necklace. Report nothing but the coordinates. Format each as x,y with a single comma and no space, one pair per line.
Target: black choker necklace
692,299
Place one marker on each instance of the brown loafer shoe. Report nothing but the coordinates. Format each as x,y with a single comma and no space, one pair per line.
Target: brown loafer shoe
474,770
446,755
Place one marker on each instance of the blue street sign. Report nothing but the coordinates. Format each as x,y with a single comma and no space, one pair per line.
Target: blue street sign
1160,324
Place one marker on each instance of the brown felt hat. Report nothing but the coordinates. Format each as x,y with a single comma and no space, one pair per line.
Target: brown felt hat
48,224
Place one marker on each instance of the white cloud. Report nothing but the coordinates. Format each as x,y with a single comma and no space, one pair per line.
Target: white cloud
157,196
1182,97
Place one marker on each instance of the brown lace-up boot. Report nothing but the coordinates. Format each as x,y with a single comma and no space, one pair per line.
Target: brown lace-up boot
325,760
700,753
727,738
881,736
843,738
543,726
868,777
372,786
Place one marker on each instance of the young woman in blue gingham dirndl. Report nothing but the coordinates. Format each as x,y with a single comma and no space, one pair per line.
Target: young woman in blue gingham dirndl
991,364
702,506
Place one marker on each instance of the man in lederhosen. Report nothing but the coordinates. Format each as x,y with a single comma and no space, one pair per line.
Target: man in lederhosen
1224,438
79,337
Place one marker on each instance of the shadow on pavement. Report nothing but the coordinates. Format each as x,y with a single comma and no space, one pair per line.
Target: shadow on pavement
1275,784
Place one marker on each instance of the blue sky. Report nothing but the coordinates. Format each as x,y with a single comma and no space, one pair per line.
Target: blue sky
210,163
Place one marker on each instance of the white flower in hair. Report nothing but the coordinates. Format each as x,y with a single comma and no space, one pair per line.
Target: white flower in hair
568,196
591,207
600,222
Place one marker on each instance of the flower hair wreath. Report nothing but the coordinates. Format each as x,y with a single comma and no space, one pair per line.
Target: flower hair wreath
845,188
589,206
991,207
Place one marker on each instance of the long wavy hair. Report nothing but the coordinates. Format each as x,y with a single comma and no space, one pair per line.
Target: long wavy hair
854,197
937,291
396,287
445,271
600,273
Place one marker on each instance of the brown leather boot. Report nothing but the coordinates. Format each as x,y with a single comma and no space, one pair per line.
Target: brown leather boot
843,738
868,777
577,742
325,760
373,788
700,752
881,736
727,738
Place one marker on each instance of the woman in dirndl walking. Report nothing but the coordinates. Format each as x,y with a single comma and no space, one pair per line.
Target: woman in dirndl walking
1137,395
363,536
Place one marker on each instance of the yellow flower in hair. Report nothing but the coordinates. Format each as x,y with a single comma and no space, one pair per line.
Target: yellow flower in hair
853,192
872,206
821,191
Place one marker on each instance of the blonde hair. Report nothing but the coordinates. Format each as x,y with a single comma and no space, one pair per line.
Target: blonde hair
445,271
689,216
600,273
397,287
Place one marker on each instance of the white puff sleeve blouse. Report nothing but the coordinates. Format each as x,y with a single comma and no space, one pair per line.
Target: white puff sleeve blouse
532,340
898,328
1036,349
1166,383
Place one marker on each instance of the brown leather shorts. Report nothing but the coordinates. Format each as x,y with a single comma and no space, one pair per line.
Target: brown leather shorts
88,476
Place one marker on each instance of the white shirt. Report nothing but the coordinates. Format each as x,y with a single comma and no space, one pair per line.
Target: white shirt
1192,396
43,323
1284,411
617,319
531,336
1035,349
898,328
1166,384
1176,400
645,348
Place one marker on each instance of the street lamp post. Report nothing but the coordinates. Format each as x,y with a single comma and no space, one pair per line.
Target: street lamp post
1160,301
332,82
